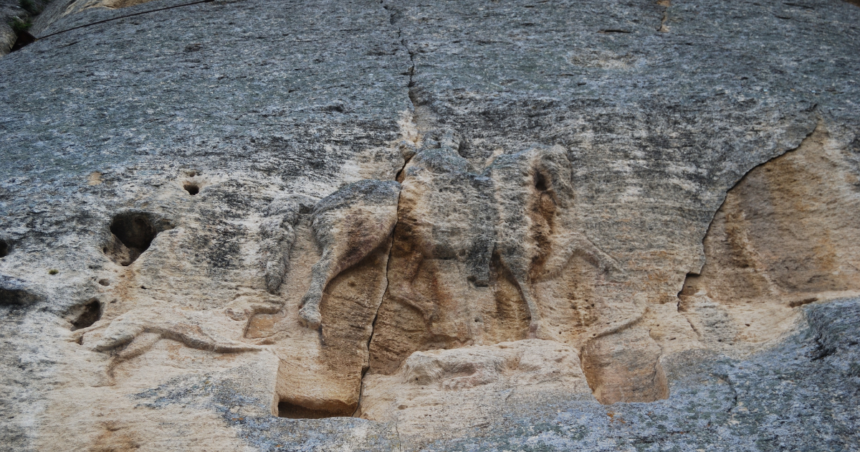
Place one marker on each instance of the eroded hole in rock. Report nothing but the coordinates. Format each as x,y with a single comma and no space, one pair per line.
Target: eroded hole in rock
690,287
132,235
191,188
294,411
540,182
86,315
4,248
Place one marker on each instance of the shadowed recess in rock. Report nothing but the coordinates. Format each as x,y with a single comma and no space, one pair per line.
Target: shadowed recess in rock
293,411
132,235
191,188
16,292
24,39
86,315
4,248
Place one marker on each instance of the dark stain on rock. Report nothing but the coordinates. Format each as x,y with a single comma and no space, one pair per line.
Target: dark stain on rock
15,292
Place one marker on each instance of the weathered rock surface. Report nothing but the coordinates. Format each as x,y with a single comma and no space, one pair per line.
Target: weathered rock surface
399,225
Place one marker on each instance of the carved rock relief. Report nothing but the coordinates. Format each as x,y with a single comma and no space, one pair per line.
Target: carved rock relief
382,282
474,253
380,277
135,332
445,257
472,385
784,237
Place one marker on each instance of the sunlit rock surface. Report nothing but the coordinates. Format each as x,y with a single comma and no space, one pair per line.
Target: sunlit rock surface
465,225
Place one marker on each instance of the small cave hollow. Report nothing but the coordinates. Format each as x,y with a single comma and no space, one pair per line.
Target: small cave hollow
541,182
4,248
291,410
191,188
132,235
86,315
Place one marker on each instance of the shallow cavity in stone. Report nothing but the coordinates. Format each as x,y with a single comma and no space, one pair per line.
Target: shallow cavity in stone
293,411
132,235
191,188
86,315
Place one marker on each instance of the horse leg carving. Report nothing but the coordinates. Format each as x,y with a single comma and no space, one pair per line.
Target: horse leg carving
323,272
348,225
404,292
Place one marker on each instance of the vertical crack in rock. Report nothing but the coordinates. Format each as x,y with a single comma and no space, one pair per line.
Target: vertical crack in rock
394,17
375,317
407,156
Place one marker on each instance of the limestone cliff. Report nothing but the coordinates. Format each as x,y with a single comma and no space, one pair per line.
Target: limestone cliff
457,225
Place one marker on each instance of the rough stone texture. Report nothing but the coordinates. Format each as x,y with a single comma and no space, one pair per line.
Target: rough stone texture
800,395
459,225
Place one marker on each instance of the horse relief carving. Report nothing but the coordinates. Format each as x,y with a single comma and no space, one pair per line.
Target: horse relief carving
520,209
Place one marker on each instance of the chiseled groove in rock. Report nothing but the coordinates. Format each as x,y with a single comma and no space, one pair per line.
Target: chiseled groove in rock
370,337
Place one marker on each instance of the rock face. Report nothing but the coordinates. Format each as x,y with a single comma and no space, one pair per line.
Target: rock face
397,225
